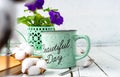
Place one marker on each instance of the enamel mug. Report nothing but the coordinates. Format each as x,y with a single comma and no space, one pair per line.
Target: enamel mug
59,48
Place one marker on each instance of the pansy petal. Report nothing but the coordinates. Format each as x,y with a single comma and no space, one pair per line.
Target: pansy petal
55,17
59,21
31,6
39,4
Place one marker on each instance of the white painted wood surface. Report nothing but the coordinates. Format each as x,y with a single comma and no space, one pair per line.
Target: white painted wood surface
106,64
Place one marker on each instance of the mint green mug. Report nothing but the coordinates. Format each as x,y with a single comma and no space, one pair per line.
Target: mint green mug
59,48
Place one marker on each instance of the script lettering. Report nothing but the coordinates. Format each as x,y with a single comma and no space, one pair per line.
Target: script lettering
57,47
52,58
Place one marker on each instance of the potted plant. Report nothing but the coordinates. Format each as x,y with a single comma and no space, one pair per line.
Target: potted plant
38,23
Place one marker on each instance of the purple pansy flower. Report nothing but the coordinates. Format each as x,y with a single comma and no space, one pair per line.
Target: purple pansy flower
55,17
31,6
37,4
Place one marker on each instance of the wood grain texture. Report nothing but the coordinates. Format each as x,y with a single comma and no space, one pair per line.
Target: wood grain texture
14,66
109,64
12,63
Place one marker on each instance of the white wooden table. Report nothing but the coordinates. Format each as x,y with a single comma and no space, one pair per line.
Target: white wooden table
106,64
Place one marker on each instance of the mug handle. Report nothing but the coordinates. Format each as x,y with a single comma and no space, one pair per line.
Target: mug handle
87,48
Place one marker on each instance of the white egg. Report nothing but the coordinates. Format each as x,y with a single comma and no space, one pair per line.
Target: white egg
41,64
34,70
20,55
28,62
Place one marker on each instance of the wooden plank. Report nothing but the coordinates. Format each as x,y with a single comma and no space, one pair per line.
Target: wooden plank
110,65
48,73
11,68
113,51
92,71
55,72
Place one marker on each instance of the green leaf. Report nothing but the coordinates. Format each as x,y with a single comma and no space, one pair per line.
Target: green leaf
23,20
55,9
30,19
47,9
47,19
35,12
26,10
37,19
46,22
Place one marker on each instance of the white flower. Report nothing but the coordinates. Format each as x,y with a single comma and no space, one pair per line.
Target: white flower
19,55
16,49
23,46
41,64
28,62
27,48
34,70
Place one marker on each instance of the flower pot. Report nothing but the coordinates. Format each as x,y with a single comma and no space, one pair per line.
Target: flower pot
34,36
